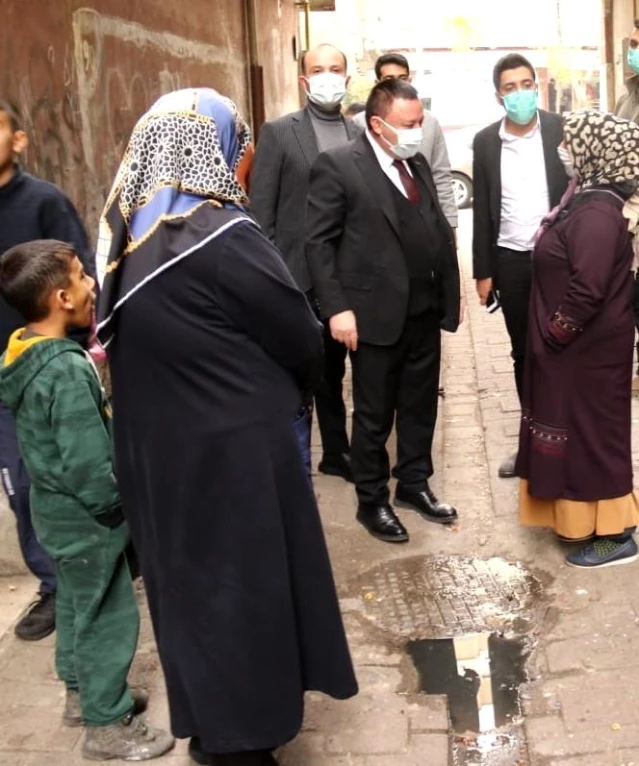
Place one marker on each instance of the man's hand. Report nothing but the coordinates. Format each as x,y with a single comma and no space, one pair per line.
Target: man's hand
344,329
484,286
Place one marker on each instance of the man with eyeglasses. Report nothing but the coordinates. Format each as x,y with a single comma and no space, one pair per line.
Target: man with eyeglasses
518,178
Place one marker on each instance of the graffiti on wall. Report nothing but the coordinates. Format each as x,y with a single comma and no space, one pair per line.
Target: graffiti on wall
80,97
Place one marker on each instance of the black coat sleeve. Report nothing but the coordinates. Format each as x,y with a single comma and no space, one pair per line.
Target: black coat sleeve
257,293
482,228
326,213
264,190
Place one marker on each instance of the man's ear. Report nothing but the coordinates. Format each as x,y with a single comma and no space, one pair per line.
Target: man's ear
20,141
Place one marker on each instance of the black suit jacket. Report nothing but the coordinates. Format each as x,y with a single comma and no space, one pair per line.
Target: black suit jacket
487,187
285,153
353,247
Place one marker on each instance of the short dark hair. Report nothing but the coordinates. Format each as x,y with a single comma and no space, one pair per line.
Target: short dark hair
390,58
355,108
384,94
322,45
31,271
511,61
12,113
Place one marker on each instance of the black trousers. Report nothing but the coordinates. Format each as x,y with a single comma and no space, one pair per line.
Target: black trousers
514,281
329,400
400,383
16,485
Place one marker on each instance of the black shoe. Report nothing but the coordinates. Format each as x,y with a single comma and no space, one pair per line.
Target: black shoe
382,523
336,465
507,468
252,758
426,504
39,621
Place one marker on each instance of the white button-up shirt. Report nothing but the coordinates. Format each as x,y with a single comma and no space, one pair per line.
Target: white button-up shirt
386,164
524,188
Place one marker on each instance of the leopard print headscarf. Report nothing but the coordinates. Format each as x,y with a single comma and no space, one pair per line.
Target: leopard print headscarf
605,151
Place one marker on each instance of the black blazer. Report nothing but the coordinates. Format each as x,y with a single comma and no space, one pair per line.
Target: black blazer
487,187
353,247
285,153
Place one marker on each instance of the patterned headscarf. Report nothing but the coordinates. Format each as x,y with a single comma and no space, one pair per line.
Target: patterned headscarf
180,165
605,152
604,149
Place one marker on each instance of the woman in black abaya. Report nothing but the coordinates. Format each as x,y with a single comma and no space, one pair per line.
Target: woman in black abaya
209,344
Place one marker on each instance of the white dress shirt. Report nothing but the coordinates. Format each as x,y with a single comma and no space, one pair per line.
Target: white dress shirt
524,188
386,164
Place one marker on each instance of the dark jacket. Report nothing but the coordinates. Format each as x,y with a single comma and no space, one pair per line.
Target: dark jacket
63,424
487,187
285,153
354,250
31,208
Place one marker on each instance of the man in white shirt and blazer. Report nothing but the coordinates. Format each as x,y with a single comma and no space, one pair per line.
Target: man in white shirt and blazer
518,178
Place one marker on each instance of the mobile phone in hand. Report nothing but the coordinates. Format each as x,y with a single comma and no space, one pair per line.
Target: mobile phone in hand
492,302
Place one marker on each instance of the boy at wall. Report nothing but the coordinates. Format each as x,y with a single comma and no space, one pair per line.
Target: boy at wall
30,208
63,430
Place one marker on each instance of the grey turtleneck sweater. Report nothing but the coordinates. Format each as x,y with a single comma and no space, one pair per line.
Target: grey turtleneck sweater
328,125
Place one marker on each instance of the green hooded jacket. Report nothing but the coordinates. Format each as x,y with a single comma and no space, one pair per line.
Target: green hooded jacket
63,423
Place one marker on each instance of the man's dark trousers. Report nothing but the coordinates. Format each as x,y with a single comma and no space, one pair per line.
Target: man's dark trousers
398,382
329,399
16,484
514,282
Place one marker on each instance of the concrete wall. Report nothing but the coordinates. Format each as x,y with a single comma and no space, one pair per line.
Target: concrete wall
82,77
278,44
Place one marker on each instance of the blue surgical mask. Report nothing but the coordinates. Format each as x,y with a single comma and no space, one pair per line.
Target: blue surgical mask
521,106
633,59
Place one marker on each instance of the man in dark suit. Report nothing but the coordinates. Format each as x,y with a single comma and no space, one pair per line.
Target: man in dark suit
518,178
382,260
286,150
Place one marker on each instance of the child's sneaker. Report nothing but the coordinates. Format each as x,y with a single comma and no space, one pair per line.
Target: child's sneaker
72,715
129,740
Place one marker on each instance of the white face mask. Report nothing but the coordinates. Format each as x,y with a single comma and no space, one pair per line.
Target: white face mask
566,161
326,89
409,141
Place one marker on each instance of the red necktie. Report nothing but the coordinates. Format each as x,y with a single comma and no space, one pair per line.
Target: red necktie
408,182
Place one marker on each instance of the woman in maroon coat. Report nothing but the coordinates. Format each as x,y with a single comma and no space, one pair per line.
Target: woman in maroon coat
574,446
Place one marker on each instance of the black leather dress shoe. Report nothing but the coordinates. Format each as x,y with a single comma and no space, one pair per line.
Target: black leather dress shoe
382,523
507,468
426,504
336,465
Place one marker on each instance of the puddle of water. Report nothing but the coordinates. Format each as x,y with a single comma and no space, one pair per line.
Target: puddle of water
481,675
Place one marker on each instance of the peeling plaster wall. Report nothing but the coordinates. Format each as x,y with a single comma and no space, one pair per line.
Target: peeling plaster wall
81,77
277,27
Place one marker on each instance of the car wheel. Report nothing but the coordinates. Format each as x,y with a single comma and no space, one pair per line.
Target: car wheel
463,189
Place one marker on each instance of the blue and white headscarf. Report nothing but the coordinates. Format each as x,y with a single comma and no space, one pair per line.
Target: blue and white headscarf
179,166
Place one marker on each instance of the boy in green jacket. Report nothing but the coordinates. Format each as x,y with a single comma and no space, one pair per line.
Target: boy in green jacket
63,424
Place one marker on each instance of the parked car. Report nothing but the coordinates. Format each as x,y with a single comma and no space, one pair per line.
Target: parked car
459,142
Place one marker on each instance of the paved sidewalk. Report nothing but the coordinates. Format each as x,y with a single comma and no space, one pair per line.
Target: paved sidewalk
581,706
